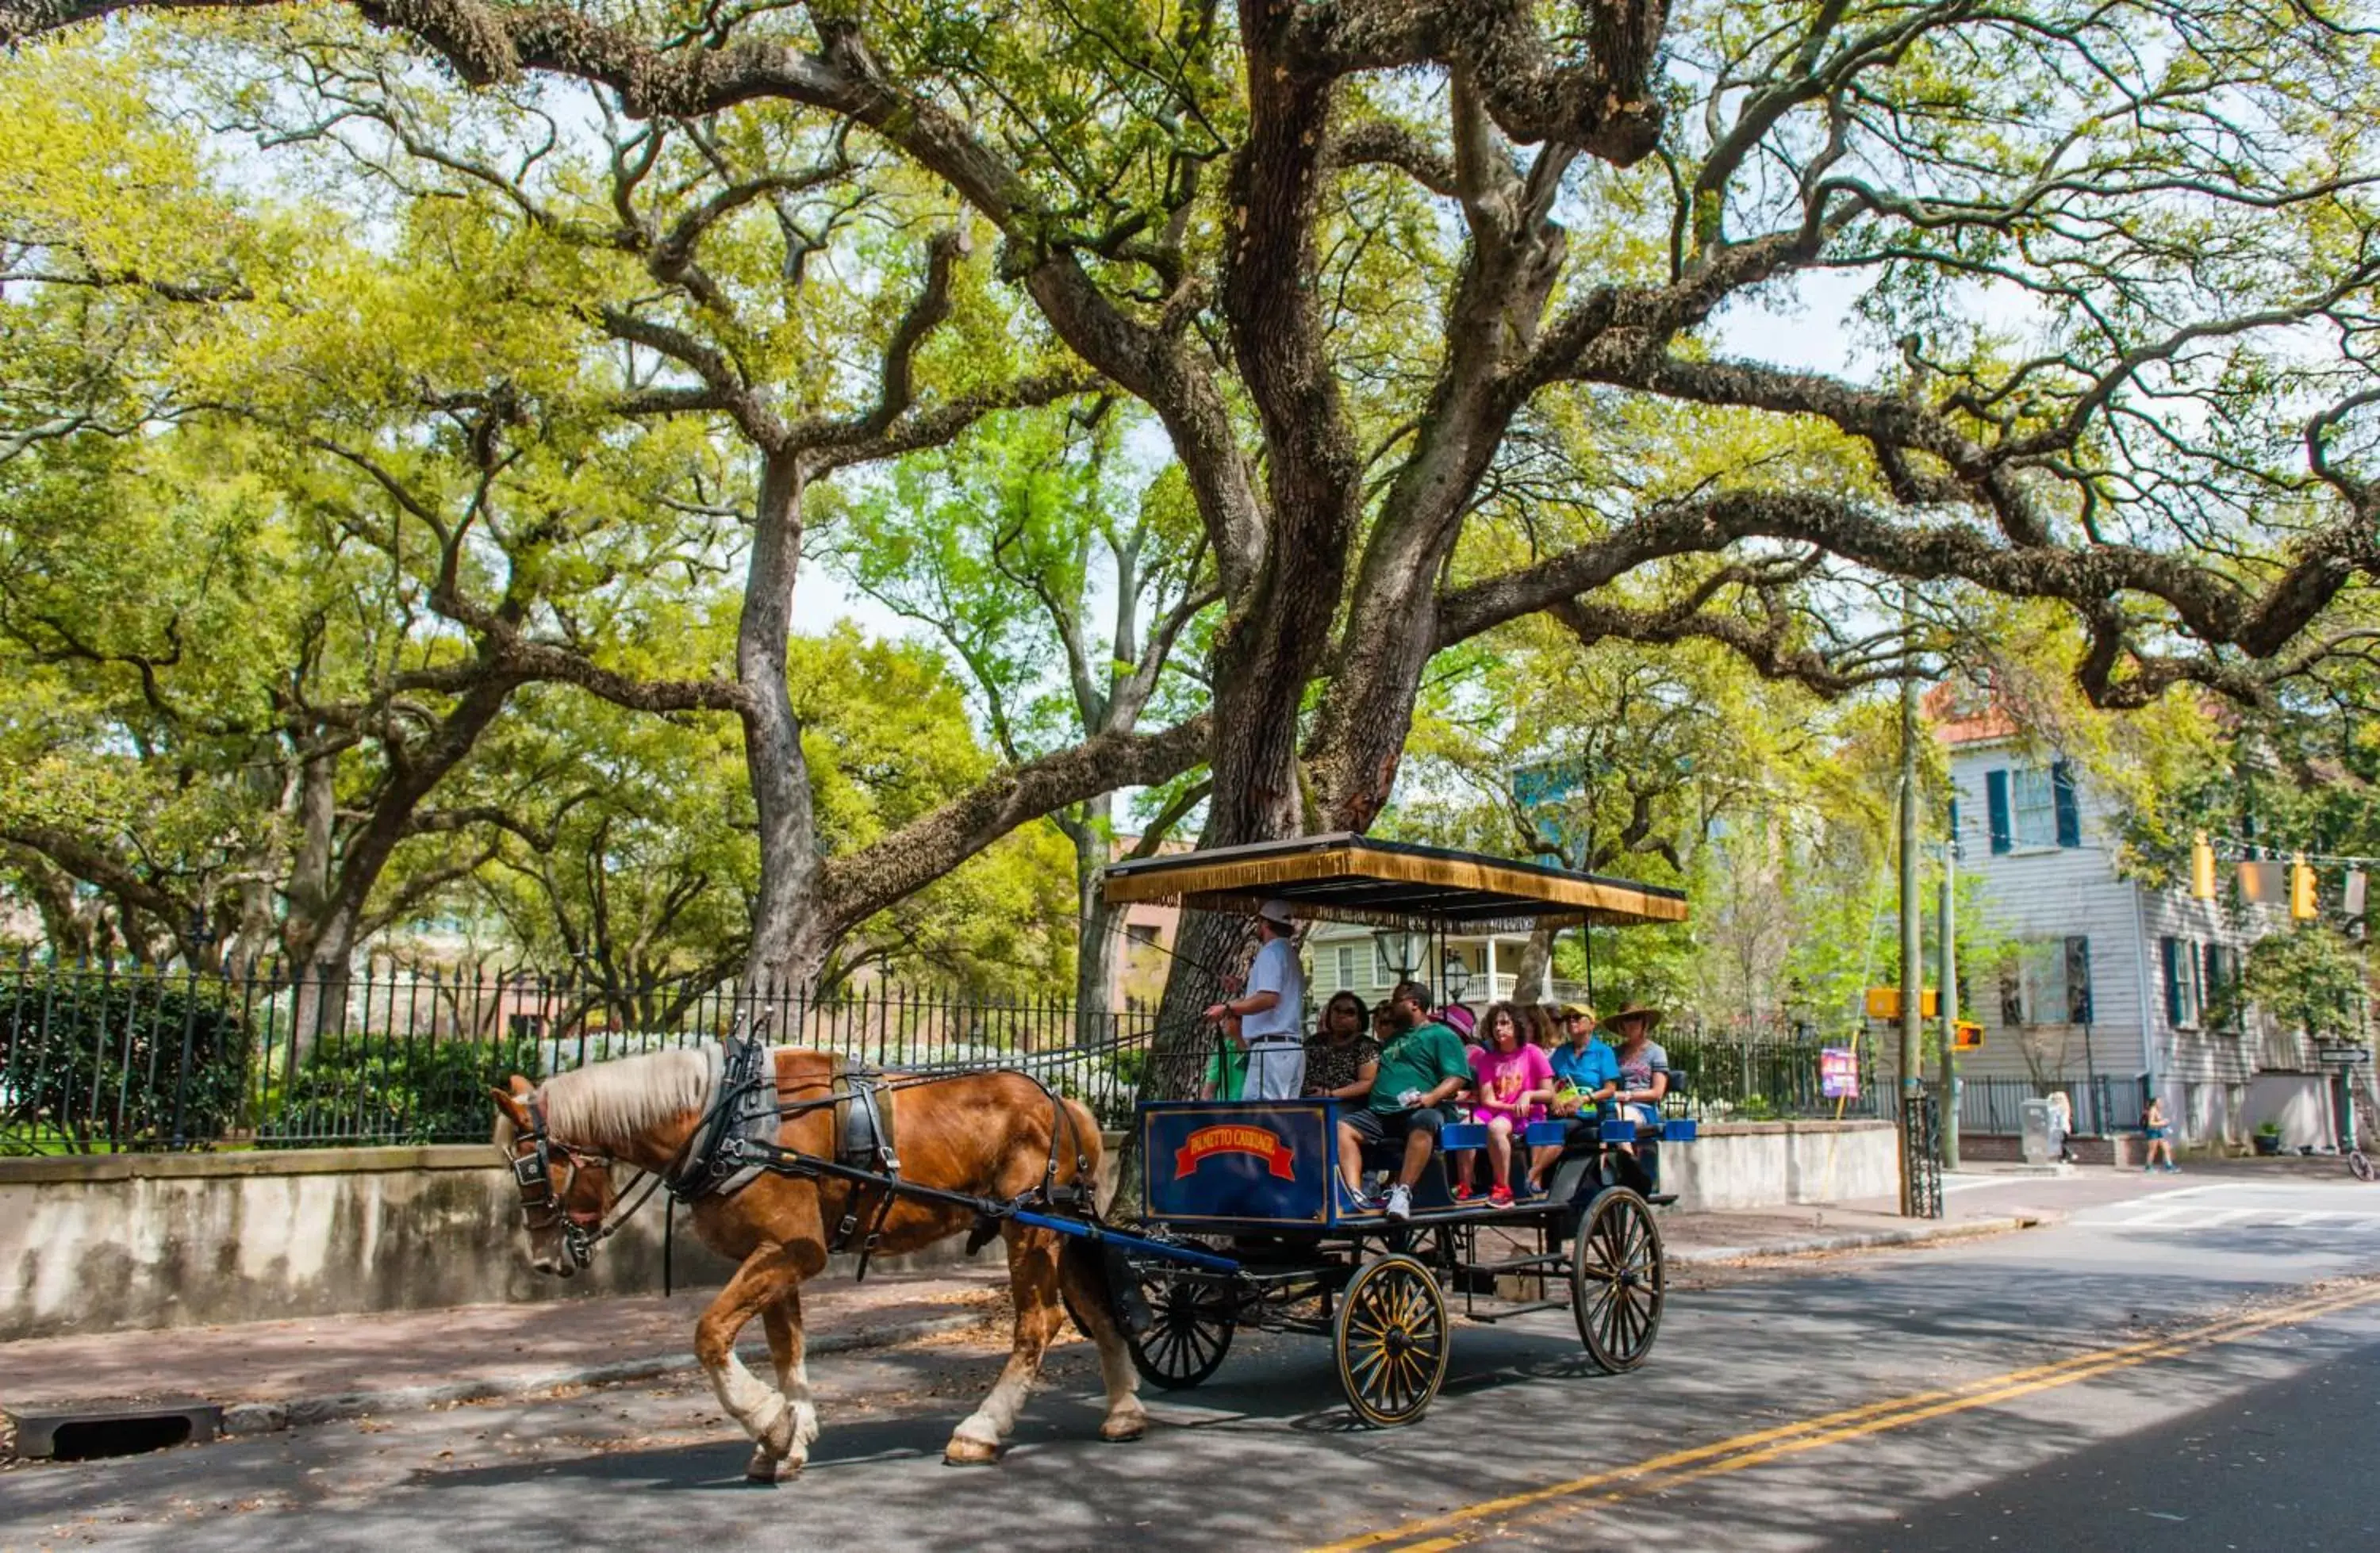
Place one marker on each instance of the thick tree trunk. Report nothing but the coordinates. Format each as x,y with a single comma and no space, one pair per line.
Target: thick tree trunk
1532,977
318,983
790,936
1096,929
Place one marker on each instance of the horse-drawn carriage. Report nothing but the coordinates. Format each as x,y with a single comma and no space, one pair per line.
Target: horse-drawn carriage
783,1155
1243,1220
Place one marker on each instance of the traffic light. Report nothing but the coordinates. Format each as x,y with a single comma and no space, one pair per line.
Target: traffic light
1966,1034
2202,868
2301,903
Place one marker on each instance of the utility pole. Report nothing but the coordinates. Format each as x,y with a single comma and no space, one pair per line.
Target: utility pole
1948,951
1912,949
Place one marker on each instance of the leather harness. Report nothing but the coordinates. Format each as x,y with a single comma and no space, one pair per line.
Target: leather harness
738,1138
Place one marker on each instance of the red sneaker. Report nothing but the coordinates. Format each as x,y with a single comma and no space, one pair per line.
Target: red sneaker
1463,1193
1501,1197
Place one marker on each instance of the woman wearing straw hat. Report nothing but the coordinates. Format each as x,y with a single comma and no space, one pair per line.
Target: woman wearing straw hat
1644,1066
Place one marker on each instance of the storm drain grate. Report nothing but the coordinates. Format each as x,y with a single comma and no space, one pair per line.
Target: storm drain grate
81,1433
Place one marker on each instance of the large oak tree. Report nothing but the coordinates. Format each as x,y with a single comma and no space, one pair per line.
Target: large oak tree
1384,268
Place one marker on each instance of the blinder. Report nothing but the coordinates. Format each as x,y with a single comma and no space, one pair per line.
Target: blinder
543,1207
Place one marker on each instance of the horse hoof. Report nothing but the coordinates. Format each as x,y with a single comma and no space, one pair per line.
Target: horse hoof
765,1468
776,1436
1125,1426
965,1452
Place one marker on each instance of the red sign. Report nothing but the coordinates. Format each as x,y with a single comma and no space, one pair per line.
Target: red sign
1235,1138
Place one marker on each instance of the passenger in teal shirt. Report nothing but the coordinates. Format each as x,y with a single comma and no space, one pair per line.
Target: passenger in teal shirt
1586,1073
1584,1063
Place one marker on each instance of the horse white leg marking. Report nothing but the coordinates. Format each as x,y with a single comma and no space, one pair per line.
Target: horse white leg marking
1033,1283
760,1408
990,1424
786,1344
794,1371
1126,1418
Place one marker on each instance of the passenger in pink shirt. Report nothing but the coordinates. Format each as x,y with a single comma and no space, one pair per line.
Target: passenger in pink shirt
1513,1083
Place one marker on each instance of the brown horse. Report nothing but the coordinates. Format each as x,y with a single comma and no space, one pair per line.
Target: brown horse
990,1135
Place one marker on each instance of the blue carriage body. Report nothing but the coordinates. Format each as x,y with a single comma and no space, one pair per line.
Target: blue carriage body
1224,1163
1274,1164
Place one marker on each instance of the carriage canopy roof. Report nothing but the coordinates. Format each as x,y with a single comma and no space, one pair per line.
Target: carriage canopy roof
1347,877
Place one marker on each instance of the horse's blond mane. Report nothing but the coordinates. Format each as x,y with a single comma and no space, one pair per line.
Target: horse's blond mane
608,1103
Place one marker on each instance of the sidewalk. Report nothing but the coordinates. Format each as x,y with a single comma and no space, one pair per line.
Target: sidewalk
271,1375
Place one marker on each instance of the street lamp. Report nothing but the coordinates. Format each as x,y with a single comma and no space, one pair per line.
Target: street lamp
1403,948
1456,974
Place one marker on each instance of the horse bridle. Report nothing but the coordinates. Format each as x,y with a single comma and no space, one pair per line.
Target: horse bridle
543,1207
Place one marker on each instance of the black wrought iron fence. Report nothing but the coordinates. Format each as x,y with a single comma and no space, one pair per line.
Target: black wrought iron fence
2102,1102
1759,1076
100,1059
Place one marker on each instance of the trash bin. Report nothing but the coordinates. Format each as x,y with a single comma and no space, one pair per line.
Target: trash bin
2035,1118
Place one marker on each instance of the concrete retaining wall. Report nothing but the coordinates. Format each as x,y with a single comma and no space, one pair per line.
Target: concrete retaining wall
114,1242
168,1240
1764,1164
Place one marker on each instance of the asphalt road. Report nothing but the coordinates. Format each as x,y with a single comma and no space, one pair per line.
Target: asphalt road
2199,1369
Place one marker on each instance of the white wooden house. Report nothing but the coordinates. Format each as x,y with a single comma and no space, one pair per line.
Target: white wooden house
2110,976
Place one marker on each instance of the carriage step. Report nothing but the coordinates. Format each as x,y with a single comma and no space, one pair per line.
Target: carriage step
1506,1313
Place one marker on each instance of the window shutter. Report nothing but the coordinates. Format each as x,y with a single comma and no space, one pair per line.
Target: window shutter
2172,948
2070,813
1996,796
1954,826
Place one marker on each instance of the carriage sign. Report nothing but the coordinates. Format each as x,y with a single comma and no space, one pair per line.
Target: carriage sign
1838,1073
1261,1142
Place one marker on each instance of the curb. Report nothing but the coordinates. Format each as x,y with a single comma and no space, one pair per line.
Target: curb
1859,1240
259,1418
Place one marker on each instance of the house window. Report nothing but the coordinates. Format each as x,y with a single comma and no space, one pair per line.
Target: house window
1143,933
1383,974
2051,984
2184,1000
1345,955
2219,1004
2033,807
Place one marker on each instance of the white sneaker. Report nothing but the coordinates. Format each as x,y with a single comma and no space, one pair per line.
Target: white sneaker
1400,1205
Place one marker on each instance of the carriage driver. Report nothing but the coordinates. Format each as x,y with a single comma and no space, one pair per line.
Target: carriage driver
1424,1065
1271,1011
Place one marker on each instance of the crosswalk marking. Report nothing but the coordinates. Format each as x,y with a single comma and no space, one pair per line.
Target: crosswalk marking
2169,1215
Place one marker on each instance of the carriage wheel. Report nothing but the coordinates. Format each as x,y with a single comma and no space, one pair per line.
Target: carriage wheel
2359,1163
1189,1329
1391,1340
1617,1281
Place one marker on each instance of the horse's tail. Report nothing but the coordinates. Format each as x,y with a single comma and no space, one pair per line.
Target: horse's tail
1087,1272
1086,1269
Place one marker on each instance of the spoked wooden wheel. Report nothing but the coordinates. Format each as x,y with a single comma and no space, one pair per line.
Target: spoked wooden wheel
1391,1340
1189,1329
1617,1281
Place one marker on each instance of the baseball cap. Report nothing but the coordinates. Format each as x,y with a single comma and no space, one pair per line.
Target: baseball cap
1275,910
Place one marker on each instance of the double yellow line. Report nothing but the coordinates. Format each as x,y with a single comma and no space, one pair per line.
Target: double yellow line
1455,1527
